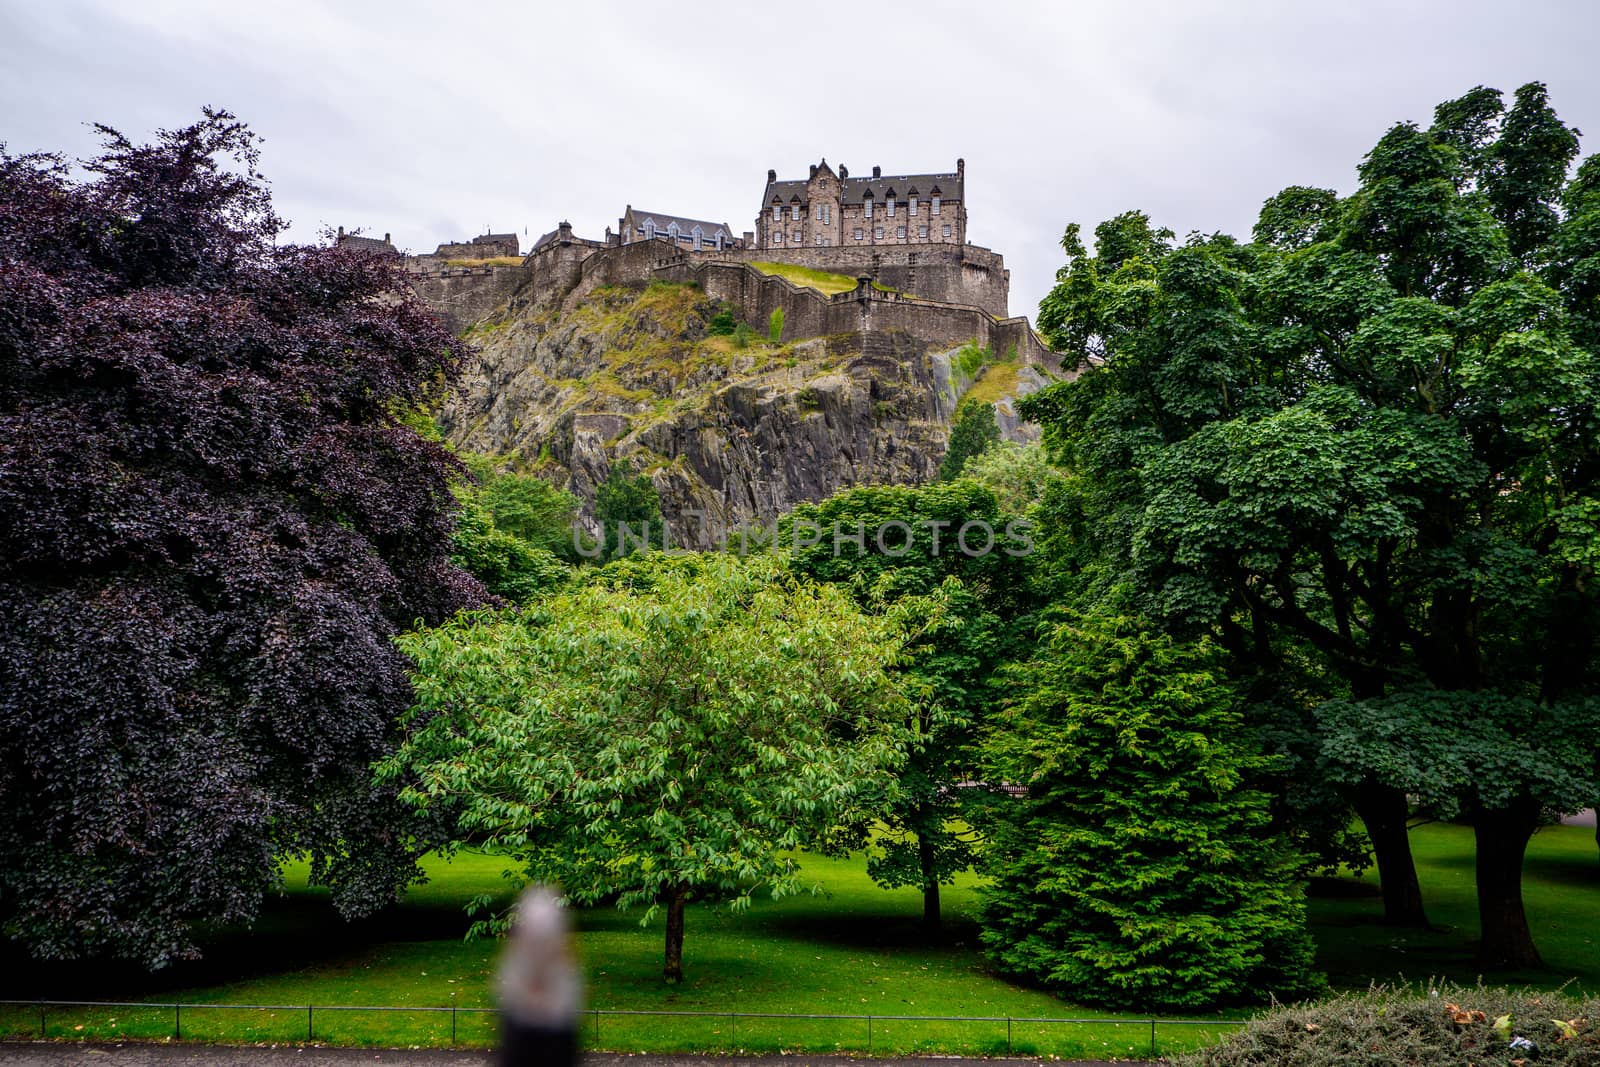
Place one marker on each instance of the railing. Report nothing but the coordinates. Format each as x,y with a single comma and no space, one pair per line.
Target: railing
849,1032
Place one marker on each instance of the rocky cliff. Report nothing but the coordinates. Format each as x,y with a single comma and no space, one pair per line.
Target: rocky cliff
732,431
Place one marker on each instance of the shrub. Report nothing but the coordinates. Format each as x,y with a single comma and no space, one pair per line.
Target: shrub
1141,870
743,335
1447,1025
721,324
775,326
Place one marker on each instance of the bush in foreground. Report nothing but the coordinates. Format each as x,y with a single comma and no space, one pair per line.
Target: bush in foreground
1445,1025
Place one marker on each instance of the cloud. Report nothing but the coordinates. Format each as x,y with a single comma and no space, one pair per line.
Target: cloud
432,122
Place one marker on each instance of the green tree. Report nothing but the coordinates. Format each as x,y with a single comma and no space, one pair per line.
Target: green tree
1139,869
775,326
1366,465
628,510
972,432
532,510
899,549
676,728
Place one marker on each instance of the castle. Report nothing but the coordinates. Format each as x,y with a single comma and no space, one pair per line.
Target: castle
902,238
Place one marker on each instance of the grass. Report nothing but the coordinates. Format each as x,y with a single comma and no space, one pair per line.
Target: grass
855,950
811,278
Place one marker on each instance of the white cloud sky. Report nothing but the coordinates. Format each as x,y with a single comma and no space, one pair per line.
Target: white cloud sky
434,121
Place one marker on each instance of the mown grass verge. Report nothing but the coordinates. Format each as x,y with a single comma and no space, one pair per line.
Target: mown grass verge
855,950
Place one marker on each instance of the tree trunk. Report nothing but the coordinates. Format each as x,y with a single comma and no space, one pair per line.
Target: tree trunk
930,885
673,970
1502,836
1384,812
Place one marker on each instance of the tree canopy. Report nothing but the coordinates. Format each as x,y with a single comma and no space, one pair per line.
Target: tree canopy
1362,452
212,523
673,728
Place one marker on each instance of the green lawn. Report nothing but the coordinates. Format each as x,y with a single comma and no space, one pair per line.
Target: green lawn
856,950
820,280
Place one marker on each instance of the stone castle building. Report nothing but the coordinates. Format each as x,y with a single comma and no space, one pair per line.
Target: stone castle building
695,234
834,210
903,237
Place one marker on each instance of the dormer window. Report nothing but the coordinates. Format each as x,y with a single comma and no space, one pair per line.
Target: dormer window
649,229
936,205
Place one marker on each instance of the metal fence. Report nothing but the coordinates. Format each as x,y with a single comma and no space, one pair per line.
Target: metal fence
850,1032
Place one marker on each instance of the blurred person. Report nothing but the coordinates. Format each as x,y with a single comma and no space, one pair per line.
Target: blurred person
540,990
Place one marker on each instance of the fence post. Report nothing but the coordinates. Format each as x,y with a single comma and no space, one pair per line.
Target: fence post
309,1031
177,1022
1152,1038
1008,1035
869,1035
452,1018
597,1028
41,1020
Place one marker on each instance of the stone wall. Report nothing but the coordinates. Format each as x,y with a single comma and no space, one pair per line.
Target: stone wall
953,274
866,311
463,295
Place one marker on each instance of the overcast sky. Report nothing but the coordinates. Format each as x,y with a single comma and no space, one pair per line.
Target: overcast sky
435,121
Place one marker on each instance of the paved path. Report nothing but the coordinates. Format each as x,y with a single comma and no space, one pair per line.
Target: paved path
58,1054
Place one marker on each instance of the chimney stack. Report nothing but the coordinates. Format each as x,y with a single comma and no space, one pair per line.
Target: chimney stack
877,172
772,176
385,238
813,170
341,233
844,172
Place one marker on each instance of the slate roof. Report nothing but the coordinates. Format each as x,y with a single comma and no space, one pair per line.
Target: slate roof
544,239
853,190
708,230
495,239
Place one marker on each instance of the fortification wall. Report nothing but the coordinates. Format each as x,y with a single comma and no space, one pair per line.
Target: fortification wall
951,274
865,311
463,295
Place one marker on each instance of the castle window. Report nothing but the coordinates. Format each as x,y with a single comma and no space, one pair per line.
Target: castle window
650,229
877,233
947,229
890,203
936,205
913,210
794,212
777,212
922,232
901,233
796,238
777,238
858,233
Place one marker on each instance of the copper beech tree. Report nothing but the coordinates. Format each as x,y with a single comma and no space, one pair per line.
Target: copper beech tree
212,525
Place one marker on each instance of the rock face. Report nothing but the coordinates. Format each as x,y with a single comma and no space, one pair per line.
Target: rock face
731,433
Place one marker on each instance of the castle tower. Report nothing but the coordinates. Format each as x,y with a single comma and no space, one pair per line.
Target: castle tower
823,202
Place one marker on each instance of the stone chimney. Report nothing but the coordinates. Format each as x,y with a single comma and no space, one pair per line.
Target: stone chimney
564,232
961,167
772,176
813,170
385,238
877,172
341,233
844,172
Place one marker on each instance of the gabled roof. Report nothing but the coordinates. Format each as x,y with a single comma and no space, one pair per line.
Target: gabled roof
544,239
945,186
853,190
708,230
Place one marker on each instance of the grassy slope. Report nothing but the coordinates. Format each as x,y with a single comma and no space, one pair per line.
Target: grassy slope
854,951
